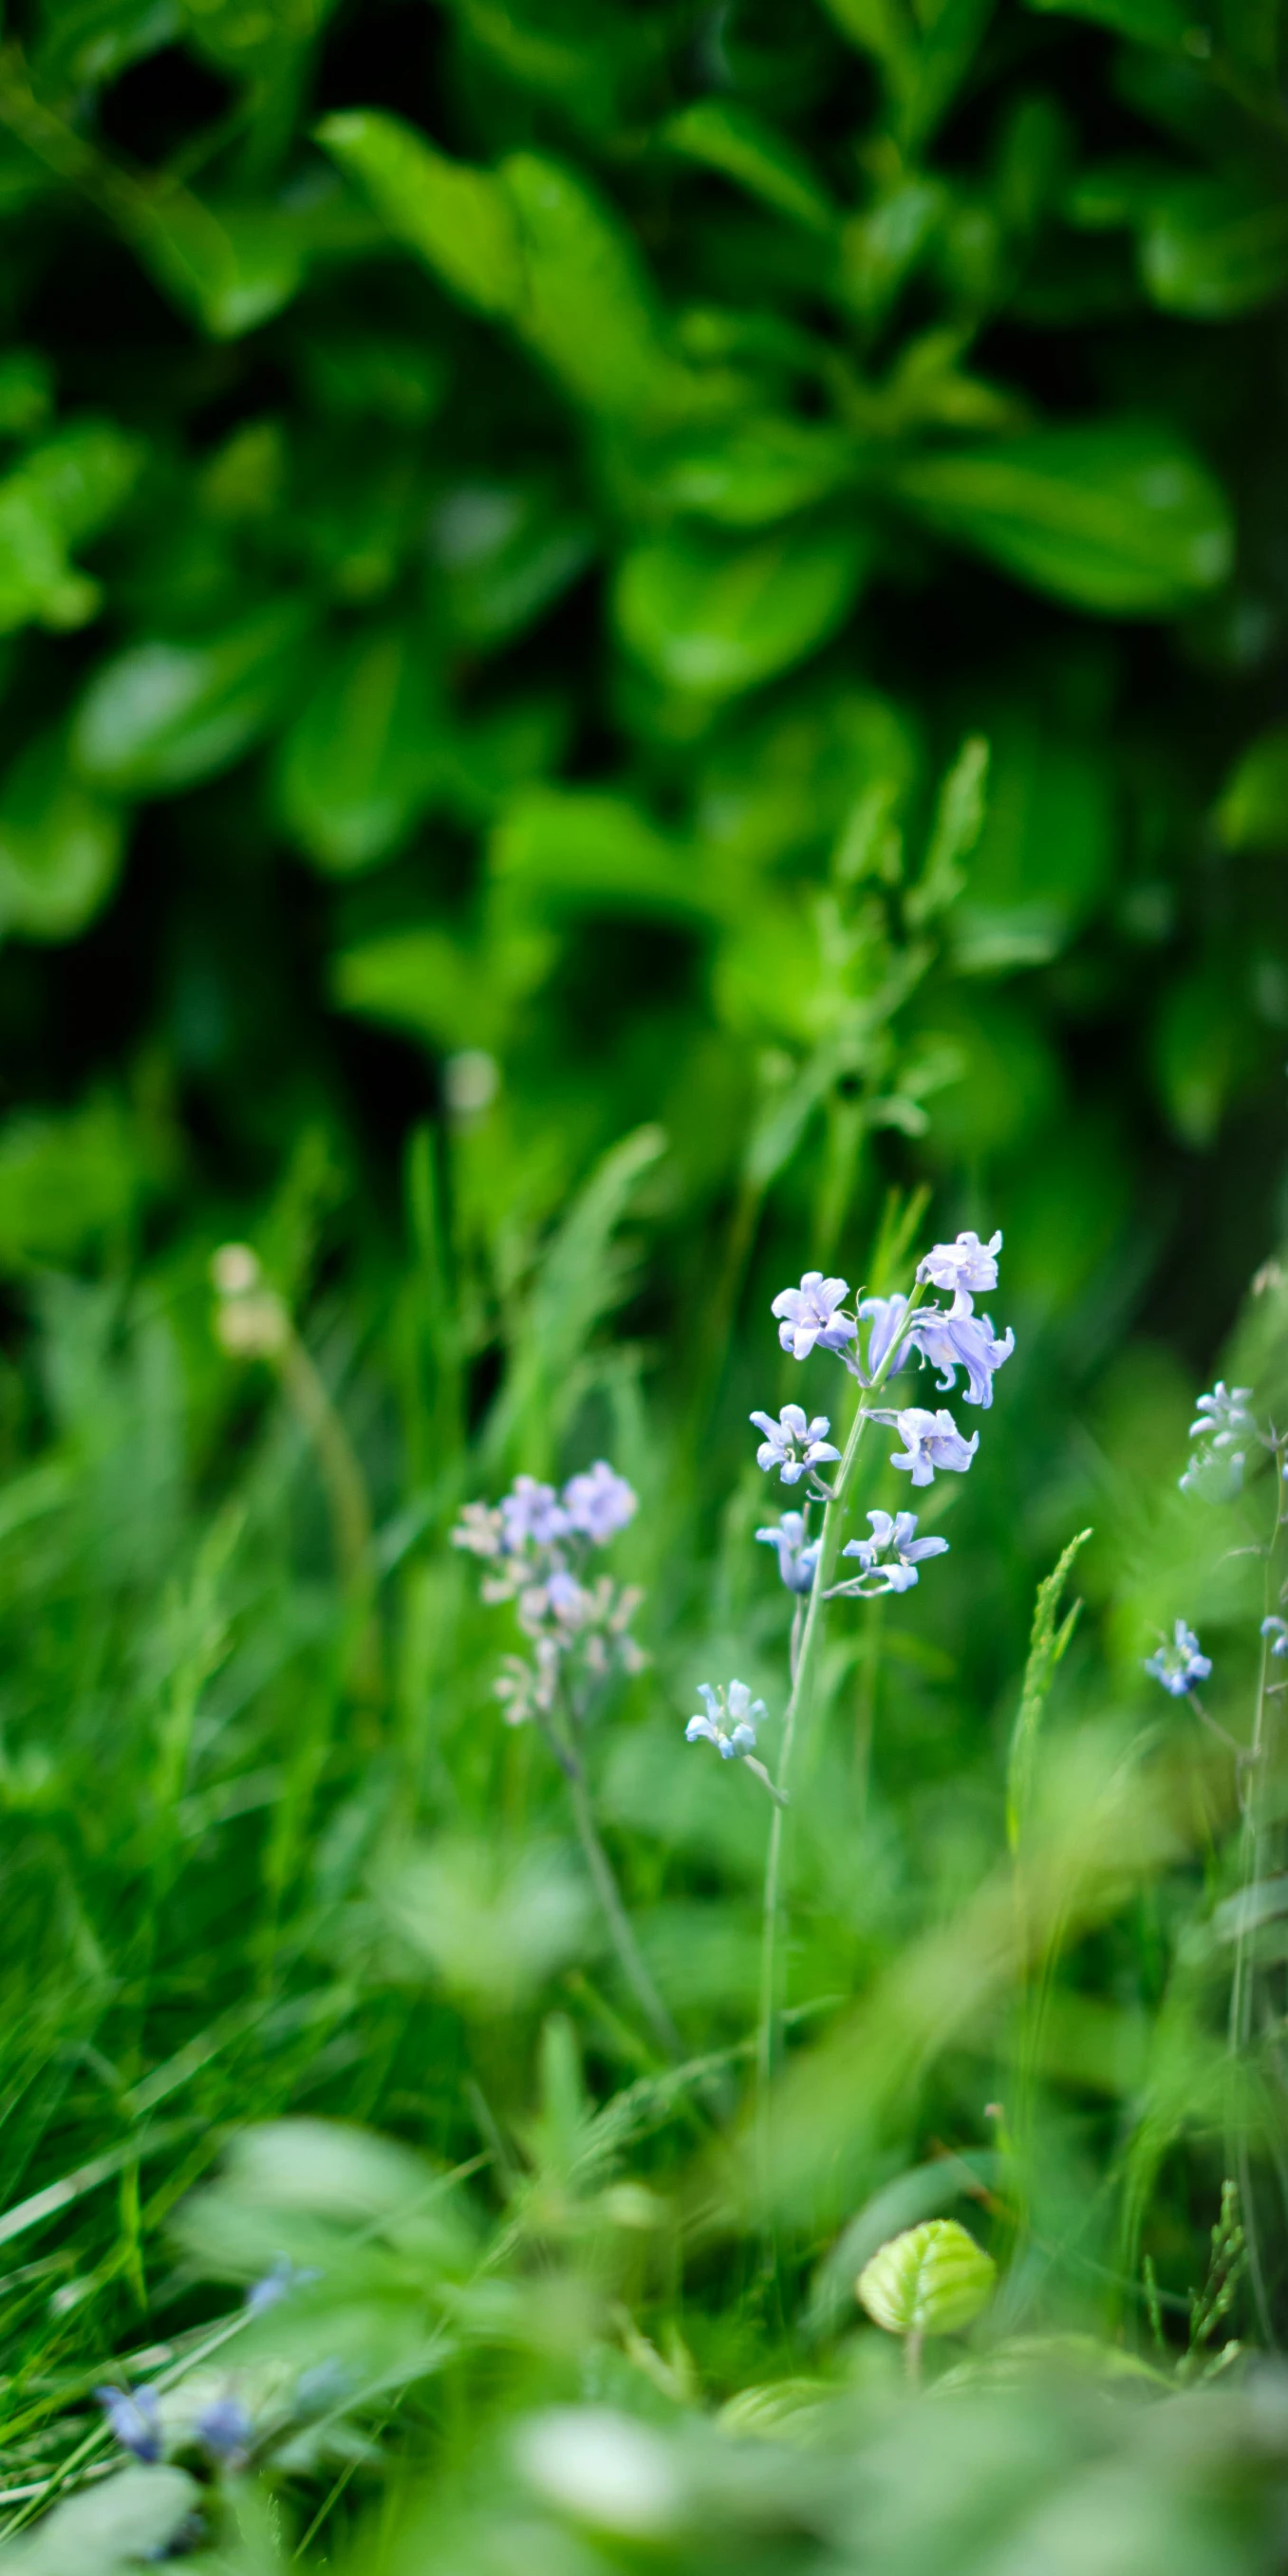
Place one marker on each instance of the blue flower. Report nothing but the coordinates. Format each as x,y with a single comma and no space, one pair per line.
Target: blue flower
1181,1664
808,1314
952,1341
792,1444
891,1556
1224,1425
225,2428
967,1266
135,2420
531,1512
930,1440
277,2284
599,1503
1278,1629
736,1705
886,1315
797,1556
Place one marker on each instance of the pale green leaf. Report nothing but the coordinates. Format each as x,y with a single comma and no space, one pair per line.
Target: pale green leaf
715,621
360,760
162,715
932,2280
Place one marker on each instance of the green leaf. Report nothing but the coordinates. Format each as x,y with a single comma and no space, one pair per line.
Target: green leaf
360,760
959,820
932,2280
252,36
60,845
734,140
459,220
715,621
754,471
505,553
1253,811
1113,517
587,310
1202,1049
1047,848
65,1183
160,716
1212,249
952,33
493,1926
572,846
26,392
130,2517
437,989
231,268
87,42
62,493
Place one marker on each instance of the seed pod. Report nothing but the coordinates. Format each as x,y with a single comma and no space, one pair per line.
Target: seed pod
932,2280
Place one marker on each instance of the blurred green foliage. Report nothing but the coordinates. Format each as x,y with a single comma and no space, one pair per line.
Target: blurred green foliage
635,640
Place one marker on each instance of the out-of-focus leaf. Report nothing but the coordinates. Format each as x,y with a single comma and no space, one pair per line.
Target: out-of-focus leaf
587,309
62,493
493,1927
508,747
881,248
1113,517
1211,249
1162,23
951,34
573,846
1046,851
65,1184
234,266
505,553
85,42
753,472
359,762
250,36
160,716
458,219
26,392
130,2517
1253,811
731,138
436,988
60,845
715,621
1200,1052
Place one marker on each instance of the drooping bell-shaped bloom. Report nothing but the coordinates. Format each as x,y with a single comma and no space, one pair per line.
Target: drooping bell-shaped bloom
730,1722
1179,1666
808,1315
134,2418
886,1316
797,1553
791,1444
952,1341
893,1553
967,1266
931,1440
599,1503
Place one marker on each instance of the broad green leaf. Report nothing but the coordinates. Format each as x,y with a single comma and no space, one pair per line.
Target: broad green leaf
505,553
714,621
754,471
436,988
65,1183
733,139
230,267
587,310
359,762
458,219
62,493
128,2518
932,2280
1116,518
573,846
1210,249
492,1926
162,715
251,36
1161,23
60,845
1253,811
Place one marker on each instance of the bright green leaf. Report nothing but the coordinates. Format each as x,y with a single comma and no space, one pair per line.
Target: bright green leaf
573,846
458,219
505,553
60,845
62,493
1211,249
754,471
1115,518
932,2280
734,140
587,309
1253,811
715,621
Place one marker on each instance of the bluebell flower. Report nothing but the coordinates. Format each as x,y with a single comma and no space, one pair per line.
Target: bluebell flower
886,1315
967,1266
952,1341
797,1554
1224,1425
225,2428
531,1512
561,1595
930,1440
808,1315
792,1444
1181,1664
277,2284
1278,1629
892,1554
599,1503
730,1722
134,2417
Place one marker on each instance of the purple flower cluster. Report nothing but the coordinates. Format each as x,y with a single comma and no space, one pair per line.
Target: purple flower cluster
535,1544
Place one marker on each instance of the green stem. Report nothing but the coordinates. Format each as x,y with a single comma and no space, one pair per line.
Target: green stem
630,1957
798,1708
1250,1865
